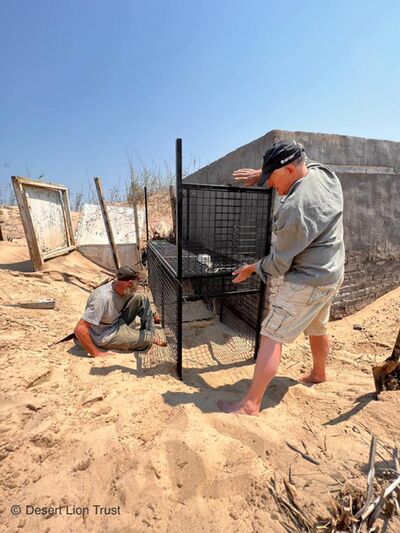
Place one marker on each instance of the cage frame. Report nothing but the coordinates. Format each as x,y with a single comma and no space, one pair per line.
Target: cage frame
177,276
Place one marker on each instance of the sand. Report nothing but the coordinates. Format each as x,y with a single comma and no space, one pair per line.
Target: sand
123,434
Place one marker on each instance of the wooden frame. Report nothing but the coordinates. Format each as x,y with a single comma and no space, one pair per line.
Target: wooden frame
21,188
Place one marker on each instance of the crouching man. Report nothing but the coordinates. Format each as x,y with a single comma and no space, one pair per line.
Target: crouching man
108,320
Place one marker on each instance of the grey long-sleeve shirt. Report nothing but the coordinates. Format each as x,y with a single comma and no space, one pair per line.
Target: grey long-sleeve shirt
308,226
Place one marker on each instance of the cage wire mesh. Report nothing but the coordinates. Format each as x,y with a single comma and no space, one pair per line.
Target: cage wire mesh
222,228
164,288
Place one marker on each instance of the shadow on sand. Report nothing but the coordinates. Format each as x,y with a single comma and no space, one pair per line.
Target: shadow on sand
20,266
206,397
360,403
143,366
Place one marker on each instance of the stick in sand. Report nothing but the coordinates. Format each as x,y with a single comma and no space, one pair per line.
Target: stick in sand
304,455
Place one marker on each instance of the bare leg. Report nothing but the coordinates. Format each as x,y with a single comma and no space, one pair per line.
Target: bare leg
268,359
320,350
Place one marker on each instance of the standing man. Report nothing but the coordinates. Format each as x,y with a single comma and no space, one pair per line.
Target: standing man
308,252
110,313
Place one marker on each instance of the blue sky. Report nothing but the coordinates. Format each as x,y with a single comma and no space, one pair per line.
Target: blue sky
85,82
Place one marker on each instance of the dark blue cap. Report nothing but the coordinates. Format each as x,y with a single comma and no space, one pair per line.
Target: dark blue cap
279,155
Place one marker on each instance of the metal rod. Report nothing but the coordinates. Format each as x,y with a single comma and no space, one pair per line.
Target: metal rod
194,297
261,303
227,274
178,153
147,215
187,232
107,224
228,188
137,233
221,312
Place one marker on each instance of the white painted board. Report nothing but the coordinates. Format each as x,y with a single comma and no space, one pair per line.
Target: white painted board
47,213
91,228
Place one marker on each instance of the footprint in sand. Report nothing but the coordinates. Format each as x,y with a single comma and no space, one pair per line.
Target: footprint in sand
186,469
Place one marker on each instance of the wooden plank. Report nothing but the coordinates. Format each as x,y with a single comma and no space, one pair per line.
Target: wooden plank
25,196
107,222
56,253
42,184
67,218
396,349
386,374
44,303
31,238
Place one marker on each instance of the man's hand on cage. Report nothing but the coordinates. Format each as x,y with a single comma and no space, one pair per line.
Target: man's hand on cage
249,176
243,272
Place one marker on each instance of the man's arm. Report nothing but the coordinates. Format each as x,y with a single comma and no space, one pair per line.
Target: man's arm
82,333
293,234
249,176
243,272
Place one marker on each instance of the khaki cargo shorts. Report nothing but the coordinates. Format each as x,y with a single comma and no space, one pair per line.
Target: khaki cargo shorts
299,308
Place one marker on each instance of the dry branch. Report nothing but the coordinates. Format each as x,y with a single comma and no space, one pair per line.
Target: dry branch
304,455
371,476
388,491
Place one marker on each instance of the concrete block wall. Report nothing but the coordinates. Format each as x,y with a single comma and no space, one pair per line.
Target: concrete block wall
369,171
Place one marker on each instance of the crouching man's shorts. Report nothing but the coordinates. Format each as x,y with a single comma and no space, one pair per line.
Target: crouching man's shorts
299,308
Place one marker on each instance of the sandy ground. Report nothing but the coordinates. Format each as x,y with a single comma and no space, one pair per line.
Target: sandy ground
123,434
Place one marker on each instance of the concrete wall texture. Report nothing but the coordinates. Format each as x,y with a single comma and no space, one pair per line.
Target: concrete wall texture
369,171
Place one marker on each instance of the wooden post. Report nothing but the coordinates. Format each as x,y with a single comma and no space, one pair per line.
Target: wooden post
107,222
67,218
1,234
396,350
135,214
387,374
172,198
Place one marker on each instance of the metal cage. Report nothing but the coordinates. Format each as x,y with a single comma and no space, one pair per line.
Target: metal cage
218,228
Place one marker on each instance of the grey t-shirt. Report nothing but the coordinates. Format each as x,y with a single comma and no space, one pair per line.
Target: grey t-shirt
103,309
308,226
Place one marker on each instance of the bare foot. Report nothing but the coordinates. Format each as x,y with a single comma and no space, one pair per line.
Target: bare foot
100,354
159,342
239,408
312,378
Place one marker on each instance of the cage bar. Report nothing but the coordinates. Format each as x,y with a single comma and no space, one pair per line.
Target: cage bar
179,228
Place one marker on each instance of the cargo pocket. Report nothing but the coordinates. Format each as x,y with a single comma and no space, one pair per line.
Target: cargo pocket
320,294
278,318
